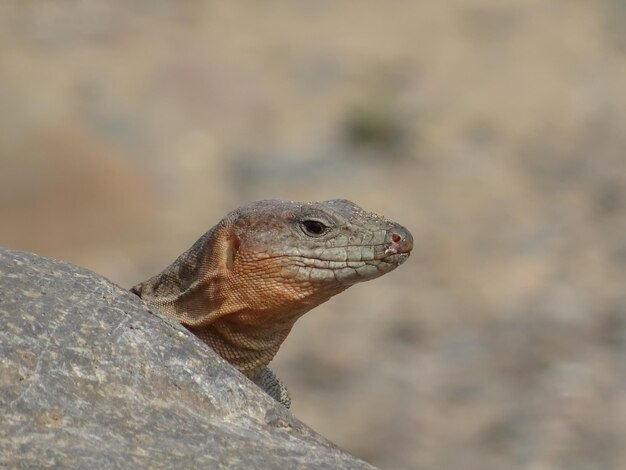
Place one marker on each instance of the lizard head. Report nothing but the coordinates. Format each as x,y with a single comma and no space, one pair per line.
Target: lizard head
284,251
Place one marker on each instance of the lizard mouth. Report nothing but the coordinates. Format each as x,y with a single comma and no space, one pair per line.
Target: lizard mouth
388,253
396,258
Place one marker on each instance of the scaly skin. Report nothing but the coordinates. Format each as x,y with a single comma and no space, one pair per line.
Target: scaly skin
244,283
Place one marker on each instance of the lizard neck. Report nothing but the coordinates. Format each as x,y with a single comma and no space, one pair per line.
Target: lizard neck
248,336
243,323
249,350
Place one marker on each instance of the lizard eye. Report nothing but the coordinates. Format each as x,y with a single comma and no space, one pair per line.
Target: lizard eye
313,228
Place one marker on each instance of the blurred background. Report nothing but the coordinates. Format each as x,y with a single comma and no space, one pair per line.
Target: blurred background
495,131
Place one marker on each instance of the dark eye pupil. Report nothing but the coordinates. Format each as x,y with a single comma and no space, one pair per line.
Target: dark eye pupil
313,227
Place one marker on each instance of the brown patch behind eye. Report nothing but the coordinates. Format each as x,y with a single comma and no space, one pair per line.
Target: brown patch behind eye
231,252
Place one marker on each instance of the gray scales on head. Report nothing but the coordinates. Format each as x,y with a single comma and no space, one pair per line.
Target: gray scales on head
244,283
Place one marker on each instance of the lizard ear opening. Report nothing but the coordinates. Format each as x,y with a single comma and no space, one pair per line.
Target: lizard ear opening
231,252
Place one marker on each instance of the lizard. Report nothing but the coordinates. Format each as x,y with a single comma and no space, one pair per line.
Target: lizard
243,284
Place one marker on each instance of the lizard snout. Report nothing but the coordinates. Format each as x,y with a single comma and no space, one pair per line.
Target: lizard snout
398,240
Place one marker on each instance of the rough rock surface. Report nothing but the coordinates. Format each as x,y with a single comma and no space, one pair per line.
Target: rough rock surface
91,378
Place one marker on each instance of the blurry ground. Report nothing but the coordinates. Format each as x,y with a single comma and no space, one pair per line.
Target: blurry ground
494,130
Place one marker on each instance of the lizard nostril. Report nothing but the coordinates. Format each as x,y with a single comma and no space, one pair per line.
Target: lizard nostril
400,239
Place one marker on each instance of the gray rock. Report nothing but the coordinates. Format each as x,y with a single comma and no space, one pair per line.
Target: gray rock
90,377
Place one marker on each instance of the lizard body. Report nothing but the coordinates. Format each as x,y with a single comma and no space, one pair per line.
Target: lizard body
244,283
